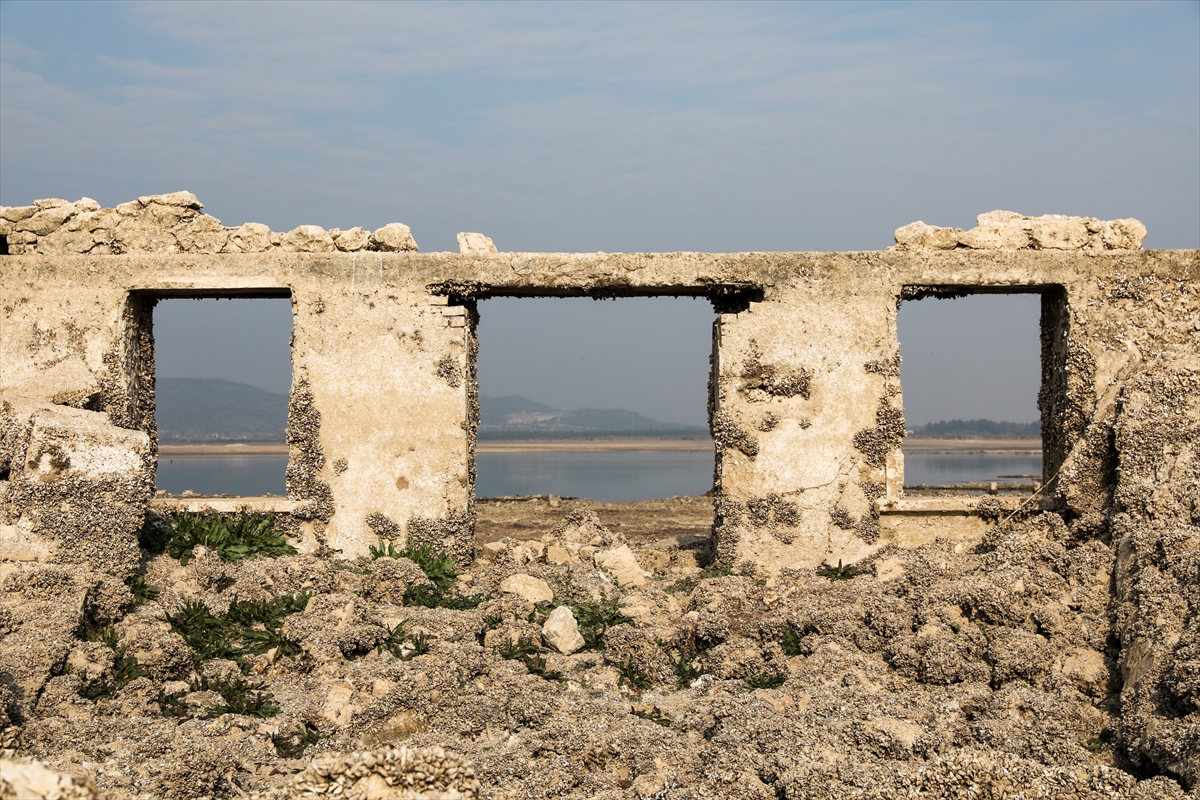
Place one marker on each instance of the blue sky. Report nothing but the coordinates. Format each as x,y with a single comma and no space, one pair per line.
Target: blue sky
616,127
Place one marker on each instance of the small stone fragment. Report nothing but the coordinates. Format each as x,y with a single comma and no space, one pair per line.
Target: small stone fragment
352,241
393,237
918,235
308,239
535,590
562,632
253,237
475,244
1123,234
623,565
1056,232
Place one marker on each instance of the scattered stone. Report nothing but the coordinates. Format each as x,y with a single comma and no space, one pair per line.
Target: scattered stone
623,565
535,590
1056,232
308,239
561,631
1008,230
475,244
918,235
28,779
393,237
353,240
253,237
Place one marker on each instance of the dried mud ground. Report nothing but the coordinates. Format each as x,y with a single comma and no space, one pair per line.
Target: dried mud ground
952,671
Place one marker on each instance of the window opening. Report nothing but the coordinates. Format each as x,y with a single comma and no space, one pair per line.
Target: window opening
971,373
222,384
594,404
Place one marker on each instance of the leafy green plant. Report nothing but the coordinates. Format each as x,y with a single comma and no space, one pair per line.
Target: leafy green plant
125,667
438,568
246,628
173,705
293,745
463,602
240,698
234,538
690,583
838,573
594,620
685,670
519,649
142,592
397,636
420,643
537,666
764,681
792,643
632,676
384,550
1097,743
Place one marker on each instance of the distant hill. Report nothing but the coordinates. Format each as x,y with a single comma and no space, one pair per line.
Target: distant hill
516,417
979,429
211,410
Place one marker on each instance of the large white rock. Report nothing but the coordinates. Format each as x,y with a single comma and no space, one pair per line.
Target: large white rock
308,239
253,237
623,565
27,779
180,199
561,631
204,234
475,244
393,237
918,235
1123,234
997,230
1056,232
535,590
352,241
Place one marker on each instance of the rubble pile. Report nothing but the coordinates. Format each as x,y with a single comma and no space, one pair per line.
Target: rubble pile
1008,230
172,223
944,671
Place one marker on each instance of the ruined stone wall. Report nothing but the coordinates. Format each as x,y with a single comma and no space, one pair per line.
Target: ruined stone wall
806,409
806,406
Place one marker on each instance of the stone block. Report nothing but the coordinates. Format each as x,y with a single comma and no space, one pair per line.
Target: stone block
561,631
78,488
394,237
308,239
623,565
475,244
918,235
535,590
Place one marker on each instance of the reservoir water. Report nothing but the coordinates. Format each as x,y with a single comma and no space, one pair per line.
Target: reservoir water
612,477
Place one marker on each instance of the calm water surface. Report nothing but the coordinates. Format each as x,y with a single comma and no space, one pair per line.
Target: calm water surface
606,477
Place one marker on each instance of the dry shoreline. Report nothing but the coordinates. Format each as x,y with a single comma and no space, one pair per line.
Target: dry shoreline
629,444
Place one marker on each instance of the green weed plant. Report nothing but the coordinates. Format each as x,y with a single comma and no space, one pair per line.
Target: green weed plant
438,568
234,538
764,681
247,628
594,619
124,670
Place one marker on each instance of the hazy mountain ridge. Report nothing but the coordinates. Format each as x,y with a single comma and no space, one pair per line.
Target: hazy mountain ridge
214,410
978,429
514,416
